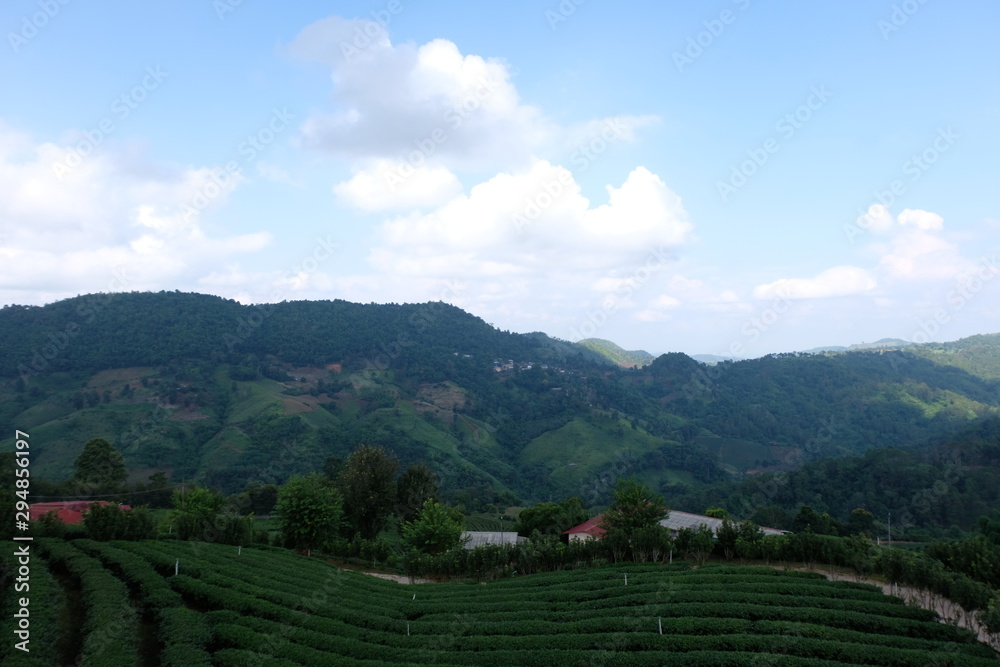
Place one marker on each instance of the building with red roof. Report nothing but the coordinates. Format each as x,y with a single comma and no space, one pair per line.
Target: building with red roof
69,512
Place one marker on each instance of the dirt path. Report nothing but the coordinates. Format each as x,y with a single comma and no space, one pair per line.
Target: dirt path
948,612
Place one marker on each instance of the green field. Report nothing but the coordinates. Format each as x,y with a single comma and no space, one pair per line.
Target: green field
267,606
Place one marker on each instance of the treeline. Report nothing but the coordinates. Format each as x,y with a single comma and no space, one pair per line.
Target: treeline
948,483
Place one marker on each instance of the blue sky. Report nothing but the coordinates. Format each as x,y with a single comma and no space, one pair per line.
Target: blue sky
737,177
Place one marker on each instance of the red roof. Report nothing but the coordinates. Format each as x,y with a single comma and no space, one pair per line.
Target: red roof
591,527
70,512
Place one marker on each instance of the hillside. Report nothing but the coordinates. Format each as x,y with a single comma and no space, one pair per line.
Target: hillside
214,392
270,606
615,354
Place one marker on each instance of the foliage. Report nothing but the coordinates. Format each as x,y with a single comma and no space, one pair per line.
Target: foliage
417,484
551,518
634,507
310,512
100,469
111,522
369,489
436,529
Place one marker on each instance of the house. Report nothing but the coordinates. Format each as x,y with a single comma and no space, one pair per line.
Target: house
591,529
588,530
69,512
479,538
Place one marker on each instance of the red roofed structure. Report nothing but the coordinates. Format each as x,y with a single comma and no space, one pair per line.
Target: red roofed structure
588,530
70,512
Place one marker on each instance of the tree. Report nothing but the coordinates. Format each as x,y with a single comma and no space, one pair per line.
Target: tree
368,488
416,485
111,522
633,522
634,507
437,528
701,544
195,512
551,518
727,535
861,522
309,511
100,469
717,513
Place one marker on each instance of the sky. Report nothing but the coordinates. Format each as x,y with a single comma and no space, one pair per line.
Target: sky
737,177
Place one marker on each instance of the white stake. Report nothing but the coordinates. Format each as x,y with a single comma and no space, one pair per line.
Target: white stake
626,580
177,567
659,622
407,628
240,552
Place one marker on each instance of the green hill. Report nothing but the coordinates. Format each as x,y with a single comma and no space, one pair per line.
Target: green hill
215,392
617,355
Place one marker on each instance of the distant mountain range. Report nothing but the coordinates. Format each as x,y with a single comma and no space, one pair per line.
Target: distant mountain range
212,391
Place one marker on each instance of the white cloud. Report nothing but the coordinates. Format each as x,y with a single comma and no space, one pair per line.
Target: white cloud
104,225
920,219
388,185
433,104
535,222
838,281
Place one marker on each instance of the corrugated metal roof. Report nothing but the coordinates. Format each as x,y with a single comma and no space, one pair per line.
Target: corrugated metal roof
677,520
478,538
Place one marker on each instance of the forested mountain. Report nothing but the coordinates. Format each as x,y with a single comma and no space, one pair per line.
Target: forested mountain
209,390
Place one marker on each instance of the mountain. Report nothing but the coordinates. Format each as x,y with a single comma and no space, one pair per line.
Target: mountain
212,391
615,354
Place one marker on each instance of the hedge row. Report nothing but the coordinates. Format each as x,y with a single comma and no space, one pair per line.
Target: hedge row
180,630
45,600
109,629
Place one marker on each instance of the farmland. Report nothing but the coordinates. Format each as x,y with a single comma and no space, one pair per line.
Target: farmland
268,606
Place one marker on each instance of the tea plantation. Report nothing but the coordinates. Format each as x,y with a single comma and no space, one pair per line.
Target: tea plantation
120,603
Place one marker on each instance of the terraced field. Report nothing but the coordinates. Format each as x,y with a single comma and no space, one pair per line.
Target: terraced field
272,607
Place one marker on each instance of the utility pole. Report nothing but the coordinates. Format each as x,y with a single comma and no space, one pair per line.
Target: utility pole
890,527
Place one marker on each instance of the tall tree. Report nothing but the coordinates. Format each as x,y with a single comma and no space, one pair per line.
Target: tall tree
369,489
309,510
551,518
100,469
436,529
416,485
634,506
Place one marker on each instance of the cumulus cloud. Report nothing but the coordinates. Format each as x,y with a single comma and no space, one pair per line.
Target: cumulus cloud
432,104
383,187
838,281
103,225
536,221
